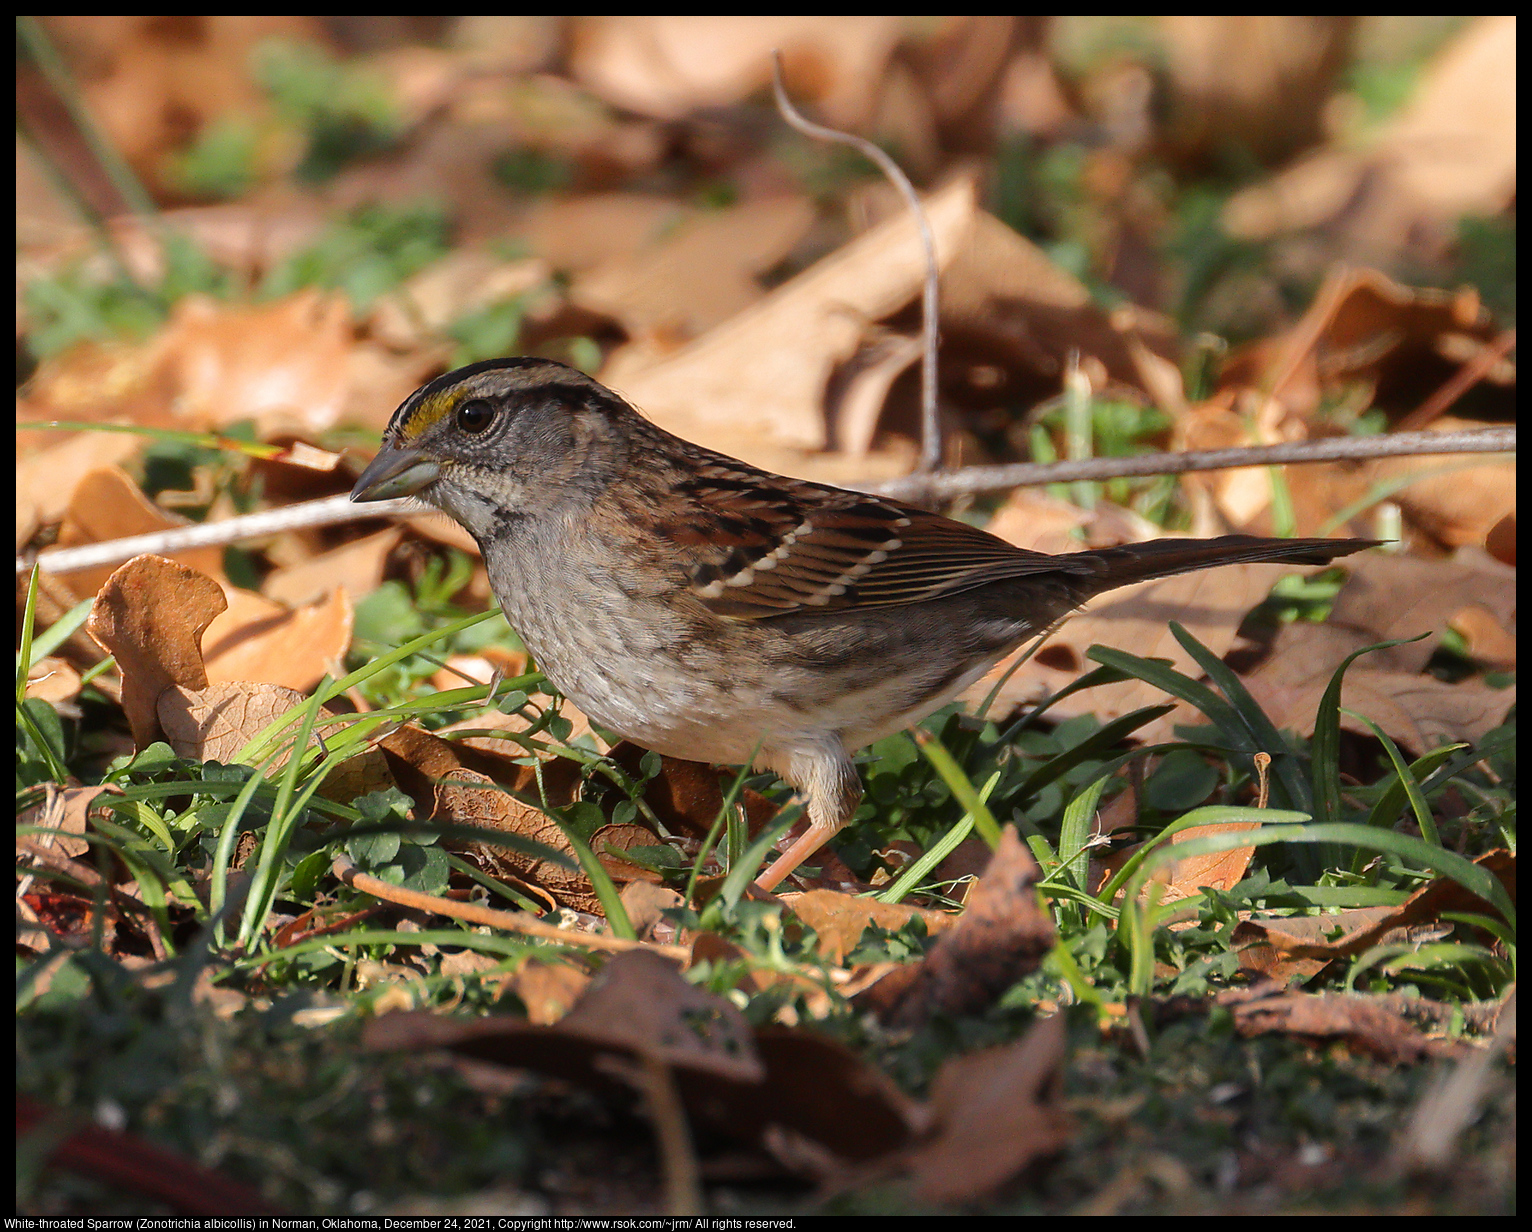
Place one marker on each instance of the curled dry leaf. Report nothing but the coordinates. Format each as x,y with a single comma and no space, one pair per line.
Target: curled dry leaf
52,680
1267,1008
43,492
1002,935
1305,944
151,614
768,366
699,275
257,640
646,904
996,1112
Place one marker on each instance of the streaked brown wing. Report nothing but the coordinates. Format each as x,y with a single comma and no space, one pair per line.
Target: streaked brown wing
766,549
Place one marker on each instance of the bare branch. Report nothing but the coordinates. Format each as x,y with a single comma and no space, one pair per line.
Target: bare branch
333,510
972,479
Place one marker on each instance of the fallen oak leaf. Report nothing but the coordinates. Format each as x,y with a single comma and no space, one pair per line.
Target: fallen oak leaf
995,1112
1002,935
1267,1008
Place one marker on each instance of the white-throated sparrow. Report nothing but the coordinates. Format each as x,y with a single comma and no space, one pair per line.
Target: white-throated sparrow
698,605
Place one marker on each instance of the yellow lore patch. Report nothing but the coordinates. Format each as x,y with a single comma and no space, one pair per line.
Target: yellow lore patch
430,411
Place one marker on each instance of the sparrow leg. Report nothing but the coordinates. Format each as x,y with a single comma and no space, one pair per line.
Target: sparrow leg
829,780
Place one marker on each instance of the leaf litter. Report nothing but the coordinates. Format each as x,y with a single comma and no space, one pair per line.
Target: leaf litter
766,326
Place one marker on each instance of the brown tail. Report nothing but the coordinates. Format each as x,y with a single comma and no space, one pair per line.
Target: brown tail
1139,562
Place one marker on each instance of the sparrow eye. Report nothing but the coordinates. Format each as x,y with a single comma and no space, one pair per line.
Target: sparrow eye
474,416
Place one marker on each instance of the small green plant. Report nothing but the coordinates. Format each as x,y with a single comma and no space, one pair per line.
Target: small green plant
345,110
365,253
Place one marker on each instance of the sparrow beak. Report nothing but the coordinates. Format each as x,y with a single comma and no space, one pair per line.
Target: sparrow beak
395,472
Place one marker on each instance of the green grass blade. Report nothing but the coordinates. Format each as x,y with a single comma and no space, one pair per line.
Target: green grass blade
937,852
1163,676
1395,796
1465,872
958,784
1416,797
1262,731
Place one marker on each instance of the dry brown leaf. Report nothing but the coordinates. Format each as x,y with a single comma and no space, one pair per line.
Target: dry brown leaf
818,1087
1305,945
151,615
106,504
282,364
1456,503
1420,712
763,373
576,234
641,1000
734,1085
461,670
355,567
1392,596
668,66
214,723
1267,1008
996,1112
838,920
258,640
46,481
548,990
52,680
646,904
1500,543
1450,152
865,382
65,812
1001,936
1259,82
700,274
1223,870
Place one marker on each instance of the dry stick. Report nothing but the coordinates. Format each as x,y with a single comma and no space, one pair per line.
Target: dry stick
1460,382
930,424
511,921
974,479
966,482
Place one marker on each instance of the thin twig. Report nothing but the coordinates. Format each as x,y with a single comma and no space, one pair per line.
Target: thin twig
930,424
329,511
512,921
1460,382
974,479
